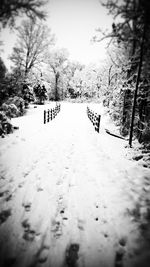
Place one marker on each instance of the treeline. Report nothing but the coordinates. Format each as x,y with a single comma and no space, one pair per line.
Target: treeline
15,93
40,72
126,75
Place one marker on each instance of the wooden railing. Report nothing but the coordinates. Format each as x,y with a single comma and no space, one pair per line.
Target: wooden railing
50,114
94,118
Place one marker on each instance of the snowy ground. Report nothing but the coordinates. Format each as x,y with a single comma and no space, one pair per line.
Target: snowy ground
70,196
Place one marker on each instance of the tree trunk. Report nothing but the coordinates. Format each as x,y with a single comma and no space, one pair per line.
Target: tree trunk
136,87
56,86
109,76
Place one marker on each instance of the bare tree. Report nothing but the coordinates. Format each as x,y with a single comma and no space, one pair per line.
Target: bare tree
33,41
11,9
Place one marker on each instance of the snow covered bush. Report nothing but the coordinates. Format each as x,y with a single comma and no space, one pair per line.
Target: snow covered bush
11,110
5,124
13,107
19,103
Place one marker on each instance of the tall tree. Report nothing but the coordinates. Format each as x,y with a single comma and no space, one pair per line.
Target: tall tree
11,9
137,85
33,41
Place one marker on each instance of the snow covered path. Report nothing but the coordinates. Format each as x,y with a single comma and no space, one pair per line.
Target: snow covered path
68,195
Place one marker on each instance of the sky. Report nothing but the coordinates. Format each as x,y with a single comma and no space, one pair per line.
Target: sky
73,22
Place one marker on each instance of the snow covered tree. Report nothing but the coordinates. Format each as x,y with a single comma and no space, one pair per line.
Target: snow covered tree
131,30
27,94
57,61
40,93
85,83
34,39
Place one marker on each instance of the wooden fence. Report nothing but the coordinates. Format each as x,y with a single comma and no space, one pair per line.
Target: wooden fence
94,118
50,114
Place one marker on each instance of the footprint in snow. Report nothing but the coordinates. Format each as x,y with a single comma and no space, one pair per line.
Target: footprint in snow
59,182
81,224
120,252
39,189
105,235
29,234
21,185
6,194
123,241
27,206
43,255
2,193
4,215
119,257
62,211
72,255
2,177
8,197
56,228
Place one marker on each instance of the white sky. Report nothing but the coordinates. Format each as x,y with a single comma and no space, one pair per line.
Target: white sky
74,23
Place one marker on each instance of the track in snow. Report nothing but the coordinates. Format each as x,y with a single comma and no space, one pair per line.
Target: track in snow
65,195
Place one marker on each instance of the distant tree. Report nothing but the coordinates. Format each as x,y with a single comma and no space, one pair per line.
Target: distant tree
27,94
40,93
85,82
33,41
76,84
11,9
71,69
57,61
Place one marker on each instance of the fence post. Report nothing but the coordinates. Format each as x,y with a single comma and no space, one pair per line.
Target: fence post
51,115
56,110
94,118
44,116
48,115
98,123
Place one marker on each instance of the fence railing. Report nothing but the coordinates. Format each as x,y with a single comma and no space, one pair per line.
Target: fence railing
94,118
50,114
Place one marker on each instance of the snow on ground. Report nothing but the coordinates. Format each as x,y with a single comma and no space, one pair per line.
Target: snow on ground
69,196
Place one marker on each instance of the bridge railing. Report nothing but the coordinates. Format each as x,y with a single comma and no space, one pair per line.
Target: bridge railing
50,114
94,118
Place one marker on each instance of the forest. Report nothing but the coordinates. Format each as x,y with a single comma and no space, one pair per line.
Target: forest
42,73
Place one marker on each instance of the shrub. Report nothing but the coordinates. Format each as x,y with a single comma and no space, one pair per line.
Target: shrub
40,93
5,124
19,103
11,110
